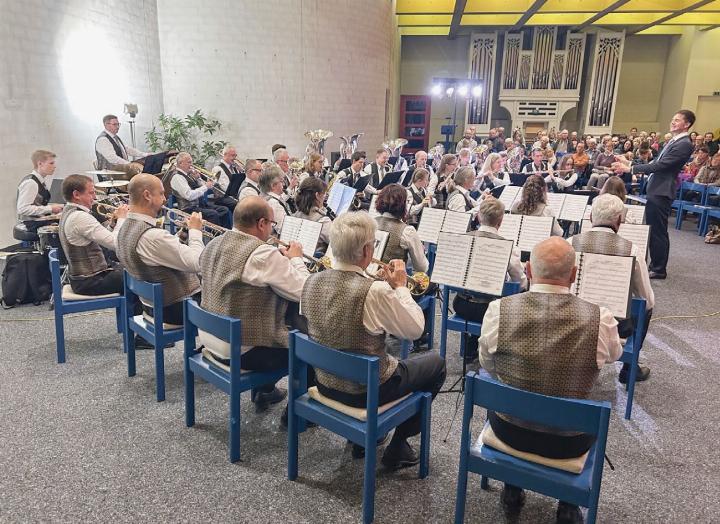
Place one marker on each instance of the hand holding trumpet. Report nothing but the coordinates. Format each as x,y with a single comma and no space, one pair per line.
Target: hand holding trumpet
394,273
195,221
121,212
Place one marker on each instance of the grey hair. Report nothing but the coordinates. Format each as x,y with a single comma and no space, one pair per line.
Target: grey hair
268,177
182,155
349,234
226,149
552,259
490,212
278,152
420,153
606,209
463,175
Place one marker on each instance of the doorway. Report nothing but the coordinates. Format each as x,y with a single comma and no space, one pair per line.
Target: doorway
532,128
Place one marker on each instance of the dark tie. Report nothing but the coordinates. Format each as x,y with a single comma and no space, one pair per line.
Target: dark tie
122,146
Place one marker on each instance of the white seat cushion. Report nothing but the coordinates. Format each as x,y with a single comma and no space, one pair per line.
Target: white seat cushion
68,294
206,353
150,320
488,438
358,413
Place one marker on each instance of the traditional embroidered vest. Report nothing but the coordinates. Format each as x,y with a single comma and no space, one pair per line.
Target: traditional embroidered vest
602,242
417,198
333,302
84,261
468,202
41,199
261,310
192,182
104,163
395,229
177,285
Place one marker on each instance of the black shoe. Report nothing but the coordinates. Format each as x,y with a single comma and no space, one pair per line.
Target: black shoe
398,456
141,343
568,514
643,373
512,498
421,344
358,451
284,420
263,400
657,276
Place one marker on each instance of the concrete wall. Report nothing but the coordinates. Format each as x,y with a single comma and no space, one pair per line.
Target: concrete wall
63,65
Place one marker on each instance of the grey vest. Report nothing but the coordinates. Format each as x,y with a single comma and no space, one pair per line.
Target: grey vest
547,344
177,285
394,228
104,163
84,261
261,310
41,198
333,302
602,242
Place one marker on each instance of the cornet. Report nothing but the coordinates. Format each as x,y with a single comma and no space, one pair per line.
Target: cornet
418,283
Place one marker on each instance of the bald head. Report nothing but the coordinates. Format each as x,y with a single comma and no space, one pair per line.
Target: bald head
249,211
141,183
552,261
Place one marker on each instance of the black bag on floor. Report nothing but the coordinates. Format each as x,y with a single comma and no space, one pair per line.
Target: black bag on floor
26,279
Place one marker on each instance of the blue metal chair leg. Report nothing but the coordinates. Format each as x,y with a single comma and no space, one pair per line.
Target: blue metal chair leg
369,481
234,425
160,370
425,437
59,332
130,350
189,396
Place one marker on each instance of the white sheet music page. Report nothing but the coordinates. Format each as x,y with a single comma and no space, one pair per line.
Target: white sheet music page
574,208
634,214
534,230
509,195
334,198
290,229
381,238
638,234
488,265
348,194
309,235
510,227
431,221
555,201
455,222
605,281
373,209
451,260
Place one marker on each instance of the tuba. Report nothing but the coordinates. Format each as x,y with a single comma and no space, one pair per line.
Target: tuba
317,141
349,145
395,148
435,154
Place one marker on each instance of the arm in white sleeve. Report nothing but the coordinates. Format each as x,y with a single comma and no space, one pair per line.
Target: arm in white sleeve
516,269
159,248
222,179
489,337
106,150
26,196
392,311
411,241
609,348
181,186
136,153
456,203
268,267
640,281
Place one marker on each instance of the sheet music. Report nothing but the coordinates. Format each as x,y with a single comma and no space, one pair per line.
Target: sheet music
373,210
638,234
431,221
455,222
300,230
510,227
634,214
605,281
555,201
574,208
586,215
381,239
451,260
488,265
509,195
335,196
534,230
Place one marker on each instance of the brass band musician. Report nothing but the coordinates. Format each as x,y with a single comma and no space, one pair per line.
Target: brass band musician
271,185
33,193
403,240
250,186
310,202
112,153
418,196
377,171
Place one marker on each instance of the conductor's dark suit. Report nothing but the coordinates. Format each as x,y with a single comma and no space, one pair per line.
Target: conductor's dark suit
661,189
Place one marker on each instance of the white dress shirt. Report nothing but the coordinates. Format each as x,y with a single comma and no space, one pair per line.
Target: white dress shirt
279,211
157,247
413,208
457,202
250,189
516,270
222,180
83,228
180,185
532,168
609,348
27,191
411,241
382,171
105,148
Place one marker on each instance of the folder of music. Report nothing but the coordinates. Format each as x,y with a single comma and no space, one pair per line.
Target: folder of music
605,280
525,230
433,221
306,232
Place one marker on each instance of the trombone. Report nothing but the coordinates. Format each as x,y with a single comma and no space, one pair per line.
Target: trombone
418,283
209,230
208,177
315,264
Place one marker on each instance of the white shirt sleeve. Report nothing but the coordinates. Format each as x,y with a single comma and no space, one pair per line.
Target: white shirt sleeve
135,153
489,336
393,311
432,184
179,184
268,267
609,347
158,247
106,150
27,191
516,270
81,228
456,203
222,179
411,241
640,280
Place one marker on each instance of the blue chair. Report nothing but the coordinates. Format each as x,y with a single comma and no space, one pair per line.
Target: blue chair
585,416
710,211
232,383
363,370
457,323
684,206
631,350
426,303
154,331
66,302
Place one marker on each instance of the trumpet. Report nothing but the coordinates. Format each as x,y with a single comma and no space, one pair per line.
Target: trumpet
209,230
316,264
418,283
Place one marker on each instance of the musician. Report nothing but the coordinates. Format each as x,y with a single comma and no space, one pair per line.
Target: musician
250,186
563,180
33,193
351,175
403,240
418,196
348,311
245,277
491,174
310,201
377,171
473,307
112,154
282,158
313,167
152,254
468,140
271,185
465,158
188,188
227,173
538,164
421,158
83,238
459,198
438,181
533,202
578,338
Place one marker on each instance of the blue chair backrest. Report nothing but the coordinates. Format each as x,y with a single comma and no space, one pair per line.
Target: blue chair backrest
691,186
223,327
711,191
586,416
151,293
55,273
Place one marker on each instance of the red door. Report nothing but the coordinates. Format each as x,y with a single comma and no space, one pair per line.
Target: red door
415,122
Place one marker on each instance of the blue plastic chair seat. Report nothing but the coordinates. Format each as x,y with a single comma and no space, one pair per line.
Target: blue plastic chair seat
220,378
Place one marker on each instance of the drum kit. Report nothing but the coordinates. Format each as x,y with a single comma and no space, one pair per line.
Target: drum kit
107,183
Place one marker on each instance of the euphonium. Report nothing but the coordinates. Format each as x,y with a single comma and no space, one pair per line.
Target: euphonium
317,141
349,145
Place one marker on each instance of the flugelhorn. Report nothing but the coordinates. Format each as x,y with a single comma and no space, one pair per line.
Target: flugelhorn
209,230
418,283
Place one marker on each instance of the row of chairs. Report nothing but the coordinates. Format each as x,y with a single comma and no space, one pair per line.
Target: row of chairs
697,199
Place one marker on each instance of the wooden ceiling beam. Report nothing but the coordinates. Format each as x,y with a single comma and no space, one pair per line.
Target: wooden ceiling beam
457,17
672,15
526,16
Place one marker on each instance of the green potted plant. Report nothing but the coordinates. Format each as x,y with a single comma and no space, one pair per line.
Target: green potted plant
193,134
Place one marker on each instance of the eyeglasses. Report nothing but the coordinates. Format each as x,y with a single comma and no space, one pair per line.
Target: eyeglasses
272,222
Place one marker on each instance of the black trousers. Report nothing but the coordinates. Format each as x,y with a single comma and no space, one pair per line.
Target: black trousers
227,202
657,213
470,310
110,281
219,215
173,314
422,372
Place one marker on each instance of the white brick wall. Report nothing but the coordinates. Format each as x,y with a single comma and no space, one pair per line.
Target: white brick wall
63,65
273,69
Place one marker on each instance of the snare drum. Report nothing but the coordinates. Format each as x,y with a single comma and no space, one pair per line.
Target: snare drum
49,237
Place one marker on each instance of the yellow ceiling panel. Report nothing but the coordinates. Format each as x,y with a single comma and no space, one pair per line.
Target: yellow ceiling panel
630,18
424,31
712,6
497,6
425,6
489,19
695,19
581,6
663,30
656,5
558,18
424,20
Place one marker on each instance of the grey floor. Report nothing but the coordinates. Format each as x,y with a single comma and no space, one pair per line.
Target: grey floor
83,442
